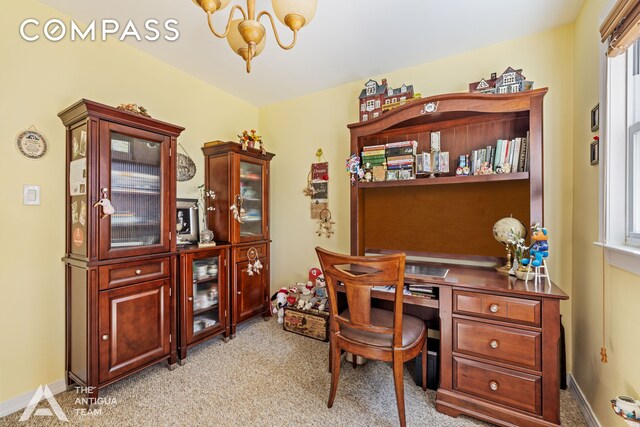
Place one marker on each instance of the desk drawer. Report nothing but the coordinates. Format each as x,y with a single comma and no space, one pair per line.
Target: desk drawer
115,275
241,254
504,386
499,343
517,310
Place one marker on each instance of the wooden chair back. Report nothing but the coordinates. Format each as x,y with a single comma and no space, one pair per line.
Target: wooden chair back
359,275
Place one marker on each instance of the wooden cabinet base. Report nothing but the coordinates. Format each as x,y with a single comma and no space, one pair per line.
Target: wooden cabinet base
455,404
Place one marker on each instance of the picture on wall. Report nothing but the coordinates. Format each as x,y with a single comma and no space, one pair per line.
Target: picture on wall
595,118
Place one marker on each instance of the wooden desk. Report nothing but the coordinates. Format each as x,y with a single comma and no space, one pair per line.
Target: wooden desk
499,345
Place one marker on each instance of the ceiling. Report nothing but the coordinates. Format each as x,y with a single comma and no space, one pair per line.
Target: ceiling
348,40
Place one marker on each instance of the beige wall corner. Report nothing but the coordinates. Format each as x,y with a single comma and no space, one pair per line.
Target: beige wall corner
599,382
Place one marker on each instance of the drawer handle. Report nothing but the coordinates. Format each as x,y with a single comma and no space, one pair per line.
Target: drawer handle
190,298
494,308
494,344
239,293
493,386
105,337
138,272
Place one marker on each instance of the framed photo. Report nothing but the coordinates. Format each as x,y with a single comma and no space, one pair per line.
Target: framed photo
187,221
594,151
595,118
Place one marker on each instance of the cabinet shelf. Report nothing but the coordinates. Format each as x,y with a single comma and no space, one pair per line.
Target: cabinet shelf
206,279
205,309
444,180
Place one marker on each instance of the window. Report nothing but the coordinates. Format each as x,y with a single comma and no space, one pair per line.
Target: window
403,88
371,105
403,98
362,107
394,100
377,103
503,89
376,114
509,78
371,88
620,157
515,88
386,101
365,117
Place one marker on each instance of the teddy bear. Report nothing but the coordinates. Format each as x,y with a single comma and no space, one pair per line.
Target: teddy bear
281,302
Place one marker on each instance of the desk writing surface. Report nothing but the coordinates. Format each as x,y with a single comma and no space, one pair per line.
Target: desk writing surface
464,276
487,279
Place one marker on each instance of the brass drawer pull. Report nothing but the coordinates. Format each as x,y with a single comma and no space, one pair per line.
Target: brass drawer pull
494,308
493,386
494,344
190,298
105,337
138,272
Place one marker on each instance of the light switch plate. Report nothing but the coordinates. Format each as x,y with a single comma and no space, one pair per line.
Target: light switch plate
31,195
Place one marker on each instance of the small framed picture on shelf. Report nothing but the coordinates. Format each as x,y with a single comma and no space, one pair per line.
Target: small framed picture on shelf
595,118
392,175
187,221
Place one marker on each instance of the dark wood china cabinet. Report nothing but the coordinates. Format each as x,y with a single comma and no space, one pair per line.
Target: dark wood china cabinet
241,178
120,272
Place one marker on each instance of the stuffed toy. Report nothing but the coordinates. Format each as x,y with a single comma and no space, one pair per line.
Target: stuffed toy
539,250
304,299
281,303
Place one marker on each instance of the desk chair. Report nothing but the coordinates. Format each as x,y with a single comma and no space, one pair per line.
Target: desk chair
369,332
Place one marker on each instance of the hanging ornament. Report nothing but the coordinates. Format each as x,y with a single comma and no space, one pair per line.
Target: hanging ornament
185,166
325,224
237,209
254,265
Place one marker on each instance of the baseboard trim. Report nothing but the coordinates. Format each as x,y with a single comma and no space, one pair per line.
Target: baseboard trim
18,403
585,408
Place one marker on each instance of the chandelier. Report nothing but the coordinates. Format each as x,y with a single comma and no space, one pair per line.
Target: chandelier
246,36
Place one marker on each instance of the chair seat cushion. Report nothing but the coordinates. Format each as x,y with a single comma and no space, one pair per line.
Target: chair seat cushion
412,328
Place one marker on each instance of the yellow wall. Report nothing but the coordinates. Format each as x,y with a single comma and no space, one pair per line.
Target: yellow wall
621,375
294,129
38,80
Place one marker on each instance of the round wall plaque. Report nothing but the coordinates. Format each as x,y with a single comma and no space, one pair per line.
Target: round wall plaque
31,143
186,168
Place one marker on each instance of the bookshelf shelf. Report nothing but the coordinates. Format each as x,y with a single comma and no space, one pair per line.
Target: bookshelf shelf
446,180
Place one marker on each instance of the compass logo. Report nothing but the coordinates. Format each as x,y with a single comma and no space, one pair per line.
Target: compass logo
43,392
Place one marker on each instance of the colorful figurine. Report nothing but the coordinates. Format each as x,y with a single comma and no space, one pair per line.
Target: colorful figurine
538,252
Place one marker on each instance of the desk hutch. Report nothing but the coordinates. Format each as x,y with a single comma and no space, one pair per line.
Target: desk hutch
499,336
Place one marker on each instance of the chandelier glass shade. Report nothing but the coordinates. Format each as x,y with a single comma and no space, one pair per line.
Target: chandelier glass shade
247,36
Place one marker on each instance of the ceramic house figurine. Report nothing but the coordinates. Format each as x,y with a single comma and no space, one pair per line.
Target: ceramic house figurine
376,98
510,81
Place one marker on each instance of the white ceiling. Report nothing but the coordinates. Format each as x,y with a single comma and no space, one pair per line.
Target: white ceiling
348,40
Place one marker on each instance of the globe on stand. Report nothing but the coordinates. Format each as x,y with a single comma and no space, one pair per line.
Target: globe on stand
502,230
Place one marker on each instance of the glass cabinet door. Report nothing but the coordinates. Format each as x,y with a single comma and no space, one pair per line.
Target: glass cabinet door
136,186
205,297
252,193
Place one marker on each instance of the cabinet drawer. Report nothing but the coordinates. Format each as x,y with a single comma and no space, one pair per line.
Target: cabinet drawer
517,310
499,343
504,386
241,254
112,276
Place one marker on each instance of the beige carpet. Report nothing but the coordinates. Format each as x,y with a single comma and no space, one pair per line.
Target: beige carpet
264,377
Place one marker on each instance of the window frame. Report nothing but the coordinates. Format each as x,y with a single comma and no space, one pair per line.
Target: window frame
613,147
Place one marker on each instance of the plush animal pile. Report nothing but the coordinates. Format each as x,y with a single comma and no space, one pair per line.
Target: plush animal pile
303,296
